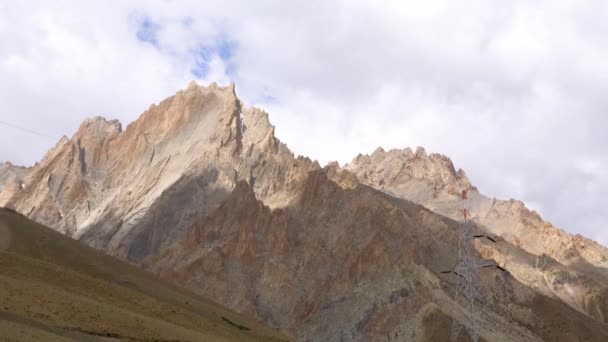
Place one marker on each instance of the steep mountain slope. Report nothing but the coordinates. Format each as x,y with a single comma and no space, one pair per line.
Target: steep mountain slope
55,288
572,268
352,265
199,191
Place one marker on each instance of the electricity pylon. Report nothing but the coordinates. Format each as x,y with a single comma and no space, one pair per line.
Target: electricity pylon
469,286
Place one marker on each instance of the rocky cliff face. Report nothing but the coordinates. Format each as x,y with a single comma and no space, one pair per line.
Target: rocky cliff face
200,191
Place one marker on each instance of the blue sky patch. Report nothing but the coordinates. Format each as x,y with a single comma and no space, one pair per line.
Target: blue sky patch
222,47
225,48
147,31
203,55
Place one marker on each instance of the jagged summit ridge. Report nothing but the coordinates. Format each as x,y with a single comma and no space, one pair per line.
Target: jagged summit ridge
384,168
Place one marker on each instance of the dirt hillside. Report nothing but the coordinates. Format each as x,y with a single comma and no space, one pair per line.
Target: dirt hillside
53,288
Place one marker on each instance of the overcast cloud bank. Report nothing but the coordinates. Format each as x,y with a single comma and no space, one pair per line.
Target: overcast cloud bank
514,93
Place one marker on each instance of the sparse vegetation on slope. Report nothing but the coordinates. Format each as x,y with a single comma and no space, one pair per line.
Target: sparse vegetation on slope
53,288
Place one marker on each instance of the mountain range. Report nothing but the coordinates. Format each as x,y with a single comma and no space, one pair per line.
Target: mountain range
200,192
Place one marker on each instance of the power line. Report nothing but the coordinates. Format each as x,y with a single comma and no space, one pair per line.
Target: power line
8,124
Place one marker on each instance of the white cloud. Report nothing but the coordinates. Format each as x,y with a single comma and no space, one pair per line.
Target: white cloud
513,92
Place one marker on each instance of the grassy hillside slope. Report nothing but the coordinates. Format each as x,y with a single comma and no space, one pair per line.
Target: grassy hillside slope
53,288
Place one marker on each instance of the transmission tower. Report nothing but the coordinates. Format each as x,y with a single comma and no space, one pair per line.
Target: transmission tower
469,285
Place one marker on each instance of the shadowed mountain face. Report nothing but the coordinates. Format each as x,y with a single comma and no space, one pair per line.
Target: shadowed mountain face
199,191
53,288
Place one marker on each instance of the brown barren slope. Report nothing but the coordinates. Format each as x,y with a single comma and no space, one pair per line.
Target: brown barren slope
53,288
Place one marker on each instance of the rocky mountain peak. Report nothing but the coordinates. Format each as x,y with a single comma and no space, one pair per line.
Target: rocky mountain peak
257,129
383,169
188,109
201,131
98,126
420,152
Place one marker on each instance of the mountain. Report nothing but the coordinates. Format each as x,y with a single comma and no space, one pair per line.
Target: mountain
99,185
572,268
53,288
199,191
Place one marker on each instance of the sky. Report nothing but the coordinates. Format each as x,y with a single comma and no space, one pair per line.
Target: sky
514,92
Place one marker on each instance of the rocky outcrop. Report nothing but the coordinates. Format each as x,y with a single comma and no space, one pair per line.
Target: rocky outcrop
200,191
11,180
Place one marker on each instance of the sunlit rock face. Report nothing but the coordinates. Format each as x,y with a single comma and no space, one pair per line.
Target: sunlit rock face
108,179
200,191
11,180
